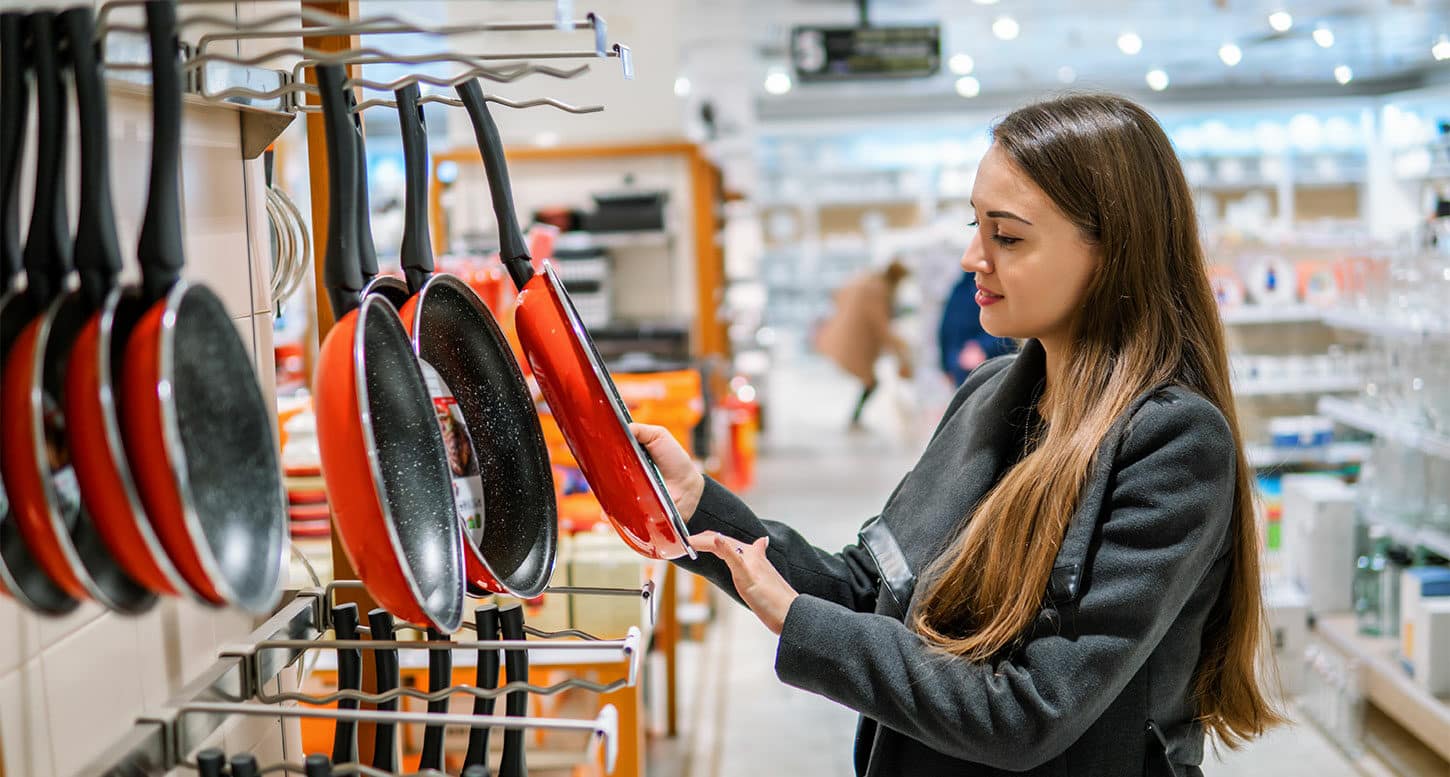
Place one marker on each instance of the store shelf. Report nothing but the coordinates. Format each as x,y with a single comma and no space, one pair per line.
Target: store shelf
259,126
652,238
1386,685
1433,540
1382,325
1357,415
1260,455
1270,314
1313,385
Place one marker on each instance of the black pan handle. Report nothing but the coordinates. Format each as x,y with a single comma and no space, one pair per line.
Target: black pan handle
440,676
416,251
341,272
385,664
245,765
210,762
349,678
486,620
47,247
317,765
97,252
14,106
516,669
514,251
160,247
367,249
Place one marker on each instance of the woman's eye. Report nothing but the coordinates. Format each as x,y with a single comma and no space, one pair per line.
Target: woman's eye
1003,240
973,225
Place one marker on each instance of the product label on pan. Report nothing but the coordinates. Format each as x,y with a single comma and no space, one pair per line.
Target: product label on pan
462,463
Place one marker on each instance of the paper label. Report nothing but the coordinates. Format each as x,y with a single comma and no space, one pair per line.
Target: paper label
462,461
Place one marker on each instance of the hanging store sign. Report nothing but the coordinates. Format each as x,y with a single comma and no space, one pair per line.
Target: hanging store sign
844,53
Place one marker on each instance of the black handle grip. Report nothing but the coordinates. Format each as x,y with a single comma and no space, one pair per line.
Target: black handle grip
416,251
440,676
367,250
97,252
14,107
516,669
476,770
341,271
47,247
349,678
245,765
210,762
486,620
385,664
513,250
317,765
160,247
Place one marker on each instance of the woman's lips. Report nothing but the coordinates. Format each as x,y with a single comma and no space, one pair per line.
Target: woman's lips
985,298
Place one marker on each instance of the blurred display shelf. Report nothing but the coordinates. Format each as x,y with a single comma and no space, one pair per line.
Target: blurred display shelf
1311,385
649,238
1271,314
1433,540
1355,414
1261,455
1382,325
1385,683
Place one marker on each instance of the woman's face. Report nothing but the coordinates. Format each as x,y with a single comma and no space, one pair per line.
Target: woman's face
1032,265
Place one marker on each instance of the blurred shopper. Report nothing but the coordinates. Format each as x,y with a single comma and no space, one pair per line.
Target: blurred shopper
1067,582
963,343
860,329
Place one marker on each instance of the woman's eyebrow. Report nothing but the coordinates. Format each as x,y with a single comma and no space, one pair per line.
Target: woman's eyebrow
1000,214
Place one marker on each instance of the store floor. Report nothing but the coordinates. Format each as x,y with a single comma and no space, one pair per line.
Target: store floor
739,720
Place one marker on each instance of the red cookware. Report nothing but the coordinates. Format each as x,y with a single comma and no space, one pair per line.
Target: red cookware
497,454
197,430
383,457
594,420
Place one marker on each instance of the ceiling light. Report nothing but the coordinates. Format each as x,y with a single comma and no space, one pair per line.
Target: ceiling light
961,64
1343,74
682,87
778,82
1441,49
1323,36
546,139
985,2
1231,54
968,86
1005,28
1281,21
1157,79
1066,74
1129,43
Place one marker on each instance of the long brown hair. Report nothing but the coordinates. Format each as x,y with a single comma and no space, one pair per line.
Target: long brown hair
1148,318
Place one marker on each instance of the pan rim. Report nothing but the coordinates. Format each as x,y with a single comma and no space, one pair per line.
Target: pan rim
360,373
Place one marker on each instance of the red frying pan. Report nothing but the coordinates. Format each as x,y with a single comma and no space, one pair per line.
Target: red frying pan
594,420
497,453
196,429
382,455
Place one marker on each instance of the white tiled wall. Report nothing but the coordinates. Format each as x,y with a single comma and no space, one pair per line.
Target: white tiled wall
70,686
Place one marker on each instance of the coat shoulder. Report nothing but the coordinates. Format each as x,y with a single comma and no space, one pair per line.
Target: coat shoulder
1180,418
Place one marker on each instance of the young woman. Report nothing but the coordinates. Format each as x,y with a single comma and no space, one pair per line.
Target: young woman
1067,583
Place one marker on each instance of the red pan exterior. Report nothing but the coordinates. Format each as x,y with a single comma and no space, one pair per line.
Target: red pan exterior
102,484
357,510
581,405
23,482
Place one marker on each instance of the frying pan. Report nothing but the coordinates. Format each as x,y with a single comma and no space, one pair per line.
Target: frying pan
42,486
20,575
383,458
391,289
196,429
594,420
458,340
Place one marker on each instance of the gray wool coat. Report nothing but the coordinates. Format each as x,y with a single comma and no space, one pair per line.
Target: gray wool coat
1102,683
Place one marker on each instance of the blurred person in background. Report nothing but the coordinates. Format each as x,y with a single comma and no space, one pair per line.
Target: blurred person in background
859,330
964,344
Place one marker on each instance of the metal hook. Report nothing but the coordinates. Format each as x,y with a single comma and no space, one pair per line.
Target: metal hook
384,24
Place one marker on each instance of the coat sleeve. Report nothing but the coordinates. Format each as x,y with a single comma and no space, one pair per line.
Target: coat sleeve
1164,523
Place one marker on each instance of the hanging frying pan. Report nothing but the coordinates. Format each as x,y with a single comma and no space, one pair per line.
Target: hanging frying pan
382,456
497,453
593,418
391,289
196,429
20,574
45,495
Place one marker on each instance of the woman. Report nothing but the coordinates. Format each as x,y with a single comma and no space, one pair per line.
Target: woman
860,330
1067,583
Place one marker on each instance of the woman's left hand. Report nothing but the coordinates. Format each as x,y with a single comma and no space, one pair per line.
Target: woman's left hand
767,594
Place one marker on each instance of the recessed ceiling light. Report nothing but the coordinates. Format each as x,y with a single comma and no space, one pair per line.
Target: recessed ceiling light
1005,27
1323,36
1231,54
968,86
1066,74
985,2
1281,21
778,81
682,87
1157,79
546,139
961,64
1129,43
1343,74
1441,49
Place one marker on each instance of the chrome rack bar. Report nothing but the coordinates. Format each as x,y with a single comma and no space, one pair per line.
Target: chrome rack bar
383,24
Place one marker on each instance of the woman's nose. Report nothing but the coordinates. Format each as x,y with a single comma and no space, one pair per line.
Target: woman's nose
975,259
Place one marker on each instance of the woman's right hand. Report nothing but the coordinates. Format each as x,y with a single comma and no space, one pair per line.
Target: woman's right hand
682,479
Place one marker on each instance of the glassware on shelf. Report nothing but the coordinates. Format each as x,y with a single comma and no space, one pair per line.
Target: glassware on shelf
1437,494
1369,584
